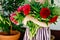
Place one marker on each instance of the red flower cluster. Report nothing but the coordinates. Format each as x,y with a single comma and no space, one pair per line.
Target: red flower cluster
13,19
54,19
44,13
25,9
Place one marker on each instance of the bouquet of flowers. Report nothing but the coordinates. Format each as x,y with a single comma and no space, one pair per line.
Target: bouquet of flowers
34,15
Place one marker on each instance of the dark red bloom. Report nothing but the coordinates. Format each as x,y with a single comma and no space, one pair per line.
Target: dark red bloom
54,19
44,12
20,9
26,9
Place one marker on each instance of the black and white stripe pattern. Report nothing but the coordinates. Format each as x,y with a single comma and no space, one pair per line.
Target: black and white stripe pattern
42,34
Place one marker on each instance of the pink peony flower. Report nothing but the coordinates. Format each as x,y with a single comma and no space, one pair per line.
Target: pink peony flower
13,20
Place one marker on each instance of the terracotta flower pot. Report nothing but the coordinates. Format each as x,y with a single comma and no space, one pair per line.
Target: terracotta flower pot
14,36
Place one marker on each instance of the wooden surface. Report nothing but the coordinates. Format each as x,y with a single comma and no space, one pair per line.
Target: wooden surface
56,33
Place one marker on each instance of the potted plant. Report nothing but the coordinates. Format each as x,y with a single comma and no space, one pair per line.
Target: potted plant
9,6
7,32
35,15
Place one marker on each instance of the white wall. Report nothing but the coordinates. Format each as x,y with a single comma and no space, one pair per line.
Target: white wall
57,2
57,26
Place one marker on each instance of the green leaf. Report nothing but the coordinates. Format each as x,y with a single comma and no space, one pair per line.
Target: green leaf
33,28
56,10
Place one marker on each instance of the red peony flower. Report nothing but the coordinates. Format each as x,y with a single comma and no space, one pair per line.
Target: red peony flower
26,9
19,9
54,19
44,13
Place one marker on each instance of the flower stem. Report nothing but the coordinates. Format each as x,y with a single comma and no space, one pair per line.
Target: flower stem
11,30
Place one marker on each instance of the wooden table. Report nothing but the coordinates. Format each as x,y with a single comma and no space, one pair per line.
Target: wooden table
56,33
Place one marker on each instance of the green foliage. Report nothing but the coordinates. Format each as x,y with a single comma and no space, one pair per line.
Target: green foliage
19,28
33,28
52,1
36,7
11,5
56,10
19,17
4,23
35,10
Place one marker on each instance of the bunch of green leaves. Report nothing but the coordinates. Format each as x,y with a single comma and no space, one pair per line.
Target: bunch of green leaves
56,11
5,23
19,28
11,5
35,10
33,28
19,17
